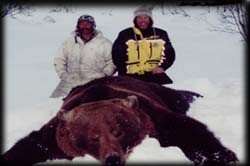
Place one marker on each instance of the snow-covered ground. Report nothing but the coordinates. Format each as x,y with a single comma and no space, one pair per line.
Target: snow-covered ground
208,62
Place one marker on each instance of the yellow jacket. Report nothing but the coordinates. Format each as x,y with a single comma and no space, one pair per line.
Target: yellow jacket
144,54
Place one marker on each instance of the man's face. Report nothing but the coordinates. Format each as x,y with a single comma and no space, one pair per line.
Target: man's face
85,27
142,21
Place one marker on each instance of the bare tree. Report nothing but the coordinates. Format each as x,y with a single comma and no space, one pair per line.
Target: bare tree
14,8
234,19
171,7
238,13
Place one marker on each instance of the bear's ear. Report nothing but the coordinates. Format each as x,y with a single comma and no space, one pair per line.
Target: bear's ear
131,101
65,116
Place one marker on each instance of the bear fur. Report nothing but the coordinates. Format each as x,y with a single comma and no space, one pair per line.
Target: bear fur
107,117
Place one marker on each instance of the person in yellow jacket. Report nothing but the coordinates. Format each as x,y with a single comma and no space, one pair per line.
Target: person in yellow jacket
143,51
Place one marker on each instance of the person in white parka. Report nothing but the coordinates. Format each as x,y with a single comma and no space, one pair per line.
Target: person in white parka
84,56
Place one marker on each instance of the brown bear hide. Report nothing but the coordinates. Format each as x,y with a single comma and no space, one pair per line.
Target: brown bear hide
108,117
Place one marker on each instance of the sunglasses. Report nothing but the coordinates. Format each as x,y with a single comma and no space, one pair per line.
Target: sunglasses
87,18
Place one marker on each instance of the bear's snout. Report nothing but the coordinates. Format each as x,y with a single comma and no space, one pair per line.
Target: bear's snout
111,153
113,160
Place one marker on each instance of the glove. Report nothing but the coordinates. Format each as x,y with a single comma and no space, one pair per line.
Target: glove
158,70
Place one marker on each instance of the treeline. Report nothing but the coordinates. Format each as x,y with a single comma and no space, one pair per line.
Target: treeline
233,12
202,3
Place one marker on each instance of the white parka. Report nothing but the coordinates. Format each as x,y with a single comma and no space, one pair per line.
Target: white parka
78,63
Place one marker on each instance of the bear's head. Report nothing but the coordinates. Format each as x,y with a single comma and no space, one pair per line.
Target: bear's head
107,129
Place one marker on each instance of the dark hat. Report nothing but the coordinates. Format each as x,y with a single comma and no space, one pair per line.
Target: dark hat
87,18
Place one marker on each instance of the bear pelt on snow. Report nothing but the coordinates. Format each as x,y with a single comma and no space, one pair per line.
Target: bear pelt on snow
107,117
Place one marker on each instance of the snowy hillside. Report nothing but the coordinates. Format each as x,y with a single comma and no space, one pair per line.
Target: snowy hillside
208,62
